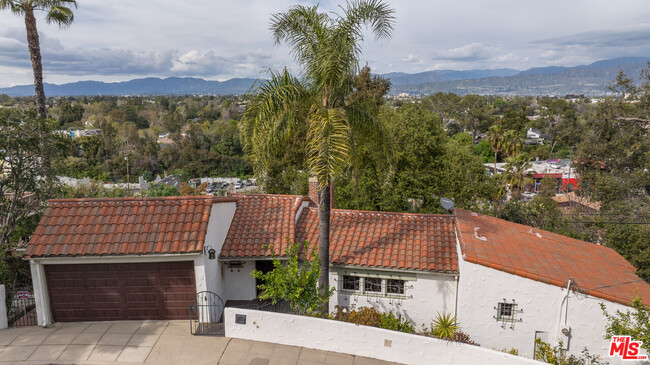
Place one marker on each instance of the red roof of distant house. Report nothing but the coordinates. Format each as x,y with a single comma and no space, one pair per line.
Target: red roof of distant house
387,240
548,257
261,220
83,227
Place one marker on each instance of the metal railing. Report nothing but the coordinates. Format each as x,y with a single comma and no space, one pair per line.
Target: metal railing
21,309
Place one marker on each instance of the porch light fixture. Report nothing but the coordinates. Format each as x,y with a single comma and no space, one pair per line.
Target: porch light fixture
212,254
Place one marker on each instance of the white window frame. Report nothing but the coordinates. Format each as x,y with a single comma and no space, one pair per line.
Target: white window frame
383,293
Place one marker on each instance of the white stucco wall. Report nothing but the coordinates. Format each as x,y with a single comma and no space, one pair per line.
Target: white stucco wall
208,272
238,283
482,288
425,296
347,338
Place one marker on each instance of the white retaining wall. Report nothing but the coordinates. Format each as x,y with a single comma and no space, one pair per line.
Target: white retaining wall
347,338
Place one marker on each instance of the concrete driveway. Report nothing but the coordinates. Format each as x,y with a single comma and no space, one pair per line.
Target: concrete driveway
150,342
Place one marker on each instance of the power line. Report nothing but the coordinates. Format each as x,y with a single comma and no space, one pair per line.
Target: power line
613,285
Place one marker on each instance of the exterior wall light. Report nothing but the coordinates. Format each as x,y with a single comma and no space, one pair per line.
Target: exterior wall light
212,253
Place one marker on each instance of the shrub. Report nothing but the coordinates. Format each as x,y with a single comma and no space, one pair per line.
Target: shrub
369,316
390,322
444,326
555,355
460,336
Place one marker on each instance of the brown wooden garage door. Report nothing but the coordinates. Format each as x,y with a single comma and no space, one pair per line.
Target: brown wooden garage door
106,292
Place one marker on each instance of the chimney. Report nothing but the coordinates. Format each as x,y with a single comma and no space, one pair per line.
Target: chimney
313,191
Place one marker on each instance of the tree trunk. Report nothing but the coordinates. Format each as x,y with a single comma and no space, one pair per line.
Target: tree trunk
324,241
495,162
35,54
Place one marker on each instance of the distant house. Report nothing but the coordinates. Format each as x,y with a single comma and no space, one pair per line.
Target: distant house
570,202
532,133
147,258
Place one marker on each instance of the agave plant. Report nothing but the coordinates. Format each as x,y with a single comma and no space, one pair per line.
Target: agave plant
444,326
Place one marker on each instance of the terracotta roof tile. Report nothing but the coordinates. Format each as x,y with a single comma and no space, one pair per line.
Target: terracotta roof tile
261,220
82,227
548,257
388,240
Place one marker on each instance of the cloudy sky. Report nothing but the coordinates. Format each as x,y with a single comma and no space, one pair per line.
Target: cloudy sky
124,39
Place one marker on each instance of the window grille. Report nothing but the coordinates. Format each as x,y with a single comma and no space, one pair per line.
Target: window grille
352,283
372,285
394,286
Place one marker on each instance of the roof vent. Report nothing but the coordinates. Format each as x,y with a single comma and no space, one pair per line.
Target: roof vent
478,236
473,214
535,233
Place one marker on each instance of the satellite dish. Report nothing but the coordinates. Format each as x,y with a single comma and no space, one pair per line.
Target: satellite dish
448,204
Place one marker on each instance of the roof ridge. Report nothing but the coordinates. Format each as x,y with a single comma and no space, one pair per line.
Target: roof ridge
132,198
423,215
244,195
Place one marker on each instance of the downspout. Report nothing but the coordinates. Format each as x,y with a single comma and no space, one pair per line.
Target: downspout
456,304
559,321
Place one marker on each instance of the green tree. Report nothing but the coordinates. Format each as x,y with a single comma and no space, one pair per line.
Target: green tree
58,12
497,141
294,281
517,175
27,178
327,50
635,323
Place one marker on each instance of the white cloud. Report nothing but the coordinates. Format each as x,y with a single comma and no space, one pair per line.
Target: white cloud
229,38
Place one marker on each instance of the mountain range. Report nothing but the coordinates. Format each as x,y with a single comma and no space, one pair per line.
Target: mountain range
555,80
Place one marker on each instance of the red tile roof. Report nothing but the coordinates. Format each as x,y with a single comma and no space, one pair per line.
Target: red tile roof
121,226
387,240
261,220
548,257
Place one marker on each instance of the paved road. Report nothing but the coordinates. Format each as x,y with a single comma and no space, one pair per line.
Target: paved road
150,342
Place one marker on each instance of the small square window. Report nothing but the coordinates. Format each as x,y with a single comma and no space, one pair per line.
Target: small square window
351,283
506,311
394,286
372,285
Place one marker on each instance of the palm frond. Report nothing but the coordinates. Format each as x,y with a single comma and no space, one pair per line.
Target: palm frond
365,127
274,111
60,15
374,13
328,143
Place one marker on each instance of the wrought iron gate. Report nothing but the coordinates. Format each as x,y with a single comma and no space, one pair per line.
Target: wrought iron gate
206,314
22,308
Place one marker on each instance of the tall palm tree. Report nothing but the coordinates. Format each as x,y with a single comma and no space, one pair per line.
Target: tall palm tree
517,174
327,49
496,139
58,12
512,143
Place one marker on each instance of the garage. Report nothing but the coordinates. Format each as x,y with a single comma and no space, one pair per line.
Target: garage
120,291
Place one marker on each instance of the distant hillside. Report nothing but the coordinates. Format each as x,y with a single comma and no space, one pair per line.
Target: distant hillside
556,80
400,78
147,86
588,80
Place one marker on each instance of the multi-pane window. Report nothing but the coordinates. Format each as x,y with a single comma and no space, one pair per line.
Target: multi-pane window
506,311
351,283
394,286
372,285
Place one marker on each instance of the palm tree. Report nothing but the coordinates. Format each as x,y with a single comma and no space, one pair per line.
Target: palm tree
327,49
512,144
495,137
58,12
517,174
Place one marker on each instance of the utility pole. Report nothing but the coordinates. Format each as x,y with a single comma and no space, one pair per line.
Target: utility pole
128,181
